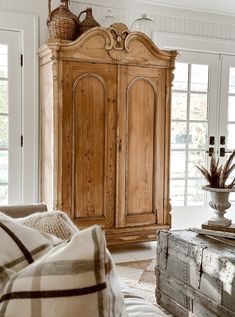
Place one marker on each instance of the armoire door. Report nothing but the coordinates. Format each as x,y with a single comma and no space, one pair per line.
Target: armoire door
141,150
89,147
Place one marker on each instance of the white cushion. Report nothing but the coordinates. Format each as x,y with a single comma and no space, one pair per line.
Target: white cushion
137,306
76,278
55,222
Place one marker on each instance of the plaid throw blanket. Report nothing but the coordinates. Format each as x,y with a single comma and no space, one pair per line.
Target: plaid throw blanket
75,278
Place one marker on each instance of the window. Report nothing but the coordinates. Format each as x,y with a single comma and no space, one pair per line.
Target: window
227,112
3,123
188,210
10,118
19,32
231,109
189,132
194,108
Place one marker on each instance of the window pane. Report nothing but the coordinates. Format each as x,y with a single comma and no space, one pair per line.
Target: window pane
3,61
231,108
232,197
180,77
177,164
199,77
3,96
3,166
195,158
3,49
3,131
232,80
3,194
196,196
231,136
177,192
229,181
179,106
198,107
178,135
197,135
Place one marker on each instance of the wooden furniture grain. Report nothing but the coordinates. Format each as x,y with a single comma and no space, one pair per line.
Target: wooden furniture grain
105,121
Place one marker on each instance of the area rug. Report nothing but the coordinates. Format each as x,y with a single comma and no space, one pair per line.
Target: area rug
140,277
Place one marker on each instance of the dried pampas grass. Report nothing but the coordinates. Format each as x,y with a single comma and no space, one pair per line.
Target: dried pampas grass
217,175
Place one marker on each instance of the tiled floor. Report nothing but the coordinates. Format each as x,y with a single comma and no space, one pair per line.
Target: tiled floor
133,252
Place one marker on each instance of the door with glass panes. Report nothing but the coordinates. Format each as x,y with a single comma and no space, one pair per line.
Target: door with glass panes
10,117
227,111
203,109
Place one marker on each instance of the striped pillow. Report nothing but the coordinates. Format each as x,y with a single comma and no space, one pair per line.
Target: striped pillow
20,246
76,278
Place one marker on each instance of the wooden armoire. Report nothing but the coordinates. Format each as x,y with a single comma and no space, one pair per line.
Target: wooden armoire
105,131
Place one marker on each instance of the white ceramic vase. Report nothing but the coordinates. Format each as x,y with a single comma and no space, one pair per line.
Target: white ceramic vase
219,203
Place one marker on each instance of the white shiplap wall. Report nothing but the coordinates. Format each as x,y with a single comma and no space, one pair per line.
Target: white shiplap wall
168,20
37,7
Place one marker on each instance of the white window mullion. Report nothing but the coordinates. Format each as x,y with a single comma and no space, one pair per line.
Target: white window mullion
187,140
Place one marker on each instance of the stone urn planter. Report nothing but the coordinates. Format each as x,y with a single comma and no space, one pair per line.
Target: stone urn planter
219,203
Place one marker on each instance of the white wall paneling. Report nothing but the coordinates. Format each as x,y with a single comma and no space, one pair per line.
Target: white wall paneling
194,43
171,20
215,6
34,7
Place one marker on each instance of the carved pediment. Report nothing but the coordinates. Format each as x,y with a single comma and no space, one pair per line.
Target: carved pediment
119,32
116,43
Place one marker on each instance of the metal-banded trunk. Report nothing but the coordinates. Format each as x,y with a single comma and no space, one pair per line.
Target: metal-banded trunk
195,275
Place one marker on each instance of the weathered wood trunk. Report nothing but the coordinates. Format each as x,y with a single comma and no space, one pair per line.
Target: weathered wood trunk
195,275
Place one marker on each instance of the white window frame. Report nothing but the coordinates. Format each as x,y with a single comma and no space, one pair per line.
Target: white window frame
12,40
212,60
188,216
227,62
27,24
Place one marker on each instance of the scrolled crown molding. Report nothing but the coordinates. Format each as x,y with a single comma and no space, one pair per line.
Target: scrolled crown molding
118,41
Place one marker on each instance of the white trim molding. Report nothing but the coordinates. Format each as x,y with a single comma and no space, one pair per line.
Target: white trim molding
178,41
27,24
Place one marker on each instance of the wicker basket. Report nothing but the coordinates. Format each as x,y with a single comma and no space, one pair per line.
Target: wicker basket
62,23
